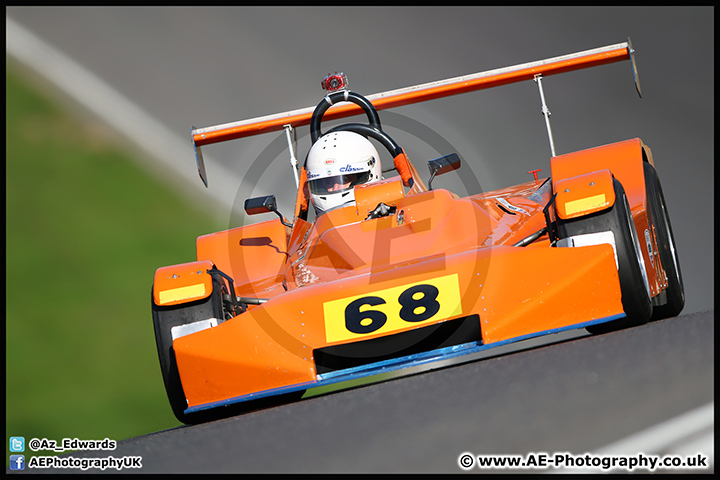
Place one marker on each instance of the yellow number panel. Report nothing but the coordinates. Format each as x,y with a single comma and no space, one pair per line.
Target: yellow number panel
383,311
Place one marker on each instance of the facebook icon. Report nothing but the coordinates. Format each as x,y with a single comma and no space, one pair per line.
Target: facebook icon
17,462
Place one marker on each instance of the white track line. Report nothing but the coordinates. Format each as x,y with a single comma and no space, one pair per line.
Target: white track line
170,150
668,436
685,435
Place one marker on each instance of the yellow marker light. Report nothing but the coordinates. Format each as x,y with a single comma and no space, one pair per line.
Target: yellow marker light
584,204
182,293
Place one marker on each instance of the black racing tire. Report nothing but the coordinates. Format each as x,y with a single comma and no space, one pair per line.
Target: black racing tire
675,291
164,319
631,269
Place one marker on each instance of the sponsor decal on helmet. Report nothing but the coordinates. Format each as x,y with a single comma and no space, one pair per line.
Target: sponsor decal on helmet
350,169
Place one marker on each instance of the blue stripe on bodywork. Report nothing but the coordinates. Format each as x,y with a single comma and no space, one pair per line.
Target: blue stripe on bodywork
393,364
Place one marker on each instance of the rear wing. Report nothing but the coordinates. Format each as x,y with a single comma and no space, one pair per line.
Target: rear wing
416,94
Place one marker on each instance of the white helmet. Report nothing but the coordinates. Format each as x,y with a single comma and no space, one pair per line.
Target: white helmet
335,164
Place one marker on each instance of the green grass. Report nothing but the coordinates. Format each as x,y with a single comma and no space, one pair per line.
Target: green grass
86,230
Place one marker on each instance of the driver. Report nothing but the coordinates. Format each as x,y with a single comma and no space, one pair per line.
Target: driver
335,164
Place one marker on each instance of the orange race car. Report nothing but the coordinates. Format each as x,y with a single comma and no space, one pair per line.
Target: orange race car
378,274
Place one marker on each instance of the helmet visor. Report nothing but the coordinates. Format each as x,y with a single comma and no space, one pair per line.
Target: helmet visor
338,183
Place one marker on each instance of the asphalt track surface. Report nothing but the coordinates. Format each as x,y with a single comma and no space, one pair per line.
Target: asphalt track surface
193,66
575,396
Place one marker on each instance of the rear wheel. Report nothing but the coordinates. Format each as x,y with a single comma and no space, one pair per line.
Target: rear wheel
675,291
634,285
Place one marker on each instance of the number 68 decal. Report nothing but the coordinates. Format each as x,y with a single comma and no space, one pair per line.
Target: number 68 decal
392,309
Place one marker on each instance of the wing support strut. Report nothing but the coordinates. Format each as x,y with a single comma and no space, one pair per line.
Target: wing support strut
545,112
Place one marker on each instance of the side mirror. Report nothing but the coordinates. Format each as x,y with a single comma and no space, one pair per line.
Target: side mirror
254,206
441,165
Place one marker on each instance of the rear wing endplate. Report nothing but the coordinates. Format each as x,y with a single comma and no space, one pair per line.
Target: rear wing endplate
416,94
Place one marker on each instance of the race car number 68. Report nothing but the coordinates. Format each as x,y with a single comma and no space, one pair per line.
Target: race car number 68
392,309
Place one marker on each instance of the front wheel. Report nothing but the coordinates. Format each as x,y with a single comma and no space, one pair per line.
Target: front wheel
164,319
213,307
634,285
